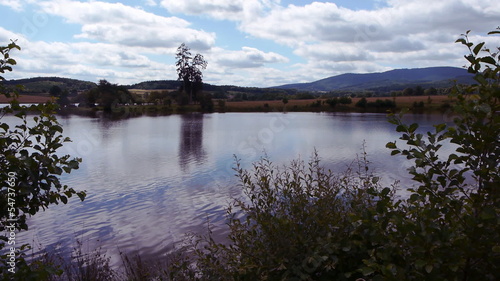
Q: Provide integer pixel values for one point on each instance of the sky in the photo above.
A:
(255, 43)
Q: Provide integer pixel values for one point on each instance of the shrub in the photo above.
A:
(295, 222)
(362, 103)
(345, 100)
(456, 206)
(332, 102)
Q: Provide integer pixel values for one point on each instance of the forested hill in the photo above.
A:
(173, 85)
(42, 85)
(156, 85)
(398, 79)
(378, 83)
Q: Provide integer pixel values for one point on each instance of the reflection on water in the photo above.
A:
(191, 140)
(152, 179)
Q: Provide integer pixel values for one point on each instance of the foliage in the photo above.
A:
(189, 70)
(291, 223)
(30, 167)
(38, 85)
(108, 95)
(316, 104)
(206, 103)
(456, 207)
(362, 103)
(332, 102)
(62, 96)
(160, 97)
(344, 100)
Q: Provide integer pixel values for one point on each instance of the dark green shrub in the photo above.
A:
(456, 206)
(206, 103)
(345, 100)
(362, 103)
(332, 102)
(298, 222)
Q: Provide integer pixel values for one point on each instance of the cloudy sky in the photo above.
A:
(246, 42)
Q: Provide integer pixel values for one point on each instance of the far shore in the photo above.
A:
(419, 104)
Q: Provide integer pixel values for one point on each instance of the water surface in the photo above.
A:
(150, 180)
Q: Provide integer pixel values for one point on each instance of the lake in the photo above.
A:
(150, 180)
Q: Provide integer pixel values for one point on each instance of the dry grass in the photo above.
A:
(305, 105)
(273, 103)
(26, 99)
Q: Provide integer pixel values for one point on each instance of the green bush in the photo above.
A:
(345, 100)
(332, 102)
(295, 222)
(362, 103)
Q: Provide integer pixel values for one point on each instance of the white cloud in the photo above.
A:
(246, 58)
(121, 43)
(220, 9)
(151, 3)
(129, 26)
(13, 4)
(84, 60)
(401, 33)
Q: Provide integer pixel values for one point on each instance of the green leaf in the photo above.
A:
(367, 271)
(440, 127)
(478, 48)
(419, 264)
(488, 60)
(391, 145)
(428, 268)
(401, 128)
(82, 195)
(394, 152)
(4, 126)
(470, 58)
(413, 127)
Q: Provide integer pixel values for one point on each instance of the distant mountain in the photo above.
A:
(397, 79)
(174, 85)
(156, 85)
(393, 80)
(42, 85)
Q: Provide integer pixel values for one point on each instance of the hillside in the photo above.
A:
(397, 79)
(156, 85)
(42, 85)
(379, 83)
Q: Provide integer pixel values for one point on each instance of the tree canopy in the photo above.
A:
(189, 70)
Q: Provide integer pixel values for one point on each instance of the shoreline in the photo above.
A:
(416, 104)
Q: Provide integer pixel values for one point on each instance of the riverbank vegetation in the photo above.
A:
(302, 222)
(417, 104)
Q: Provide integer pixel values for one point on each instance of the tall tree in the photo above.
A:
(189, 70)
